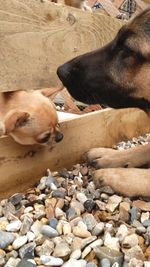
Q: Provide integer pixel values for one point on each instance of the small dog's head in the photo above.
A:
(31, 118)
(117, 75)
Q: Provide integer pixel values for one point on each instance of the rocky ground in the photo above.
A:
(65, 221)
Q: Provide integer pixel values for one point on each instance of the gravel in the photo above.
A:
(64, 221)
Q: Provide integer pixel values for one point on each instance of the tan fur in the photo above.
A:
(29, 116)
(128, 182)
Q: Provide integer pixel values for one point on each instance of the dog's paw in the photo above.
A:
(107, 158)
(128, 182)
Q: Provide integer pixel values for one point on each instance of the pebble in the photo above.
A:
(111, 242)
(26, 224)
(81, 197)
(14, 226)
(98, 229)
(75, 263)
(130, 241)
(80, 232)
(48, 231)
(76, 254)
(53, 223)
(58, 194)
(90, 221)
(105, 263)
(89, 205)
(112, 255)
(65, 221)
(51, 261)
(27, 249)
(62, 250)
(113, 203)
(134, 252)
(13, 263)
(16, 198)
(6, 239)
(19, 242)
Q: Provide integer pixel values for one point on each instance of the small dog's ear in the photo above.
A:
(15, 119)
(50, 92)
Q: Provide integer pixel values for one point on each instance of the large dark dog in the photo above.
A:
(117, 75)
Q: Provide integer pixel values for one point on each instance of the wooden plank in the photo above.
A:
(142, 4)
(36, 36)
(109, 8)
(21, 166)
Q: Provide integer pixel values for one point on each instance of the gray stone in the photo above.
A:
(71, 213)
(53, 222)
(112, 255)
(16, 198)
(105, 262)
(58, 194)
(140, 230)
(135, 214)
(25, 263)
(98, 229)
(89, 205)
(49, 181)
(6, 239)
(146, 223)
(26, 224)
(51, 261)
(91, 264)
(90, 221)
(27, 249)
(48, 231)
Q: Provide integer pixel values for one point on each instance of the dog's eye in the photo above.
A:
(44, 139)
(127, 52)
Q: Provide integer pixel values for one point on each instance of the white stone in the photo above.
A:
(36, 228)
(122, 232)
(144, 216)
(81, 197)
(96, 243)
(19, 242)
(76, 254)
(12, 262)
(14, 226)
(111, 242)
(130, 241)
(113, 203)
(66, 229)
(50, 260)
(30, 236)
(75, 263)
(86, 251)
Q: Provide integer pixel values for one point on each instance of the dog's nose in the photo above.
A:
(58, 137)
(63, 71)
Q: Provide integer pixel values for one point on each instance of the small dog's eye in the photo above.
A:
(44, 139)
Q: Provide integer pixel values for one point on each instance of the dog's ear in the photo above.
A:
(50, 92)
(15, 119)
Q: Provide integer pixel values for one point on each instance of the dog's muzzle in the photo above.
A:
(63, 72)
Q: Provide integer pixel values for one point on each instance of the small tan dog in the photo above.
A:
(29, 117)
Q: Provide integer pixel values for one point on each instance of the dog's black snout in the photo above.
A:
(58, 137)
(63, 71)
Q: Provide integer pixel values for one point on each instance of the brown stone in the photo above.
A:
(124, 208)
(147, 253)
(145, 206)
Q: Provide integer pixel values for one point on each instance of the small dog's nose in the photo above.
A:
(63, 71)
(58, 137)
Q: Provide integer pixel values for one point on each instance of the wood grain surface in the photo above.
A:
(37, 36)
